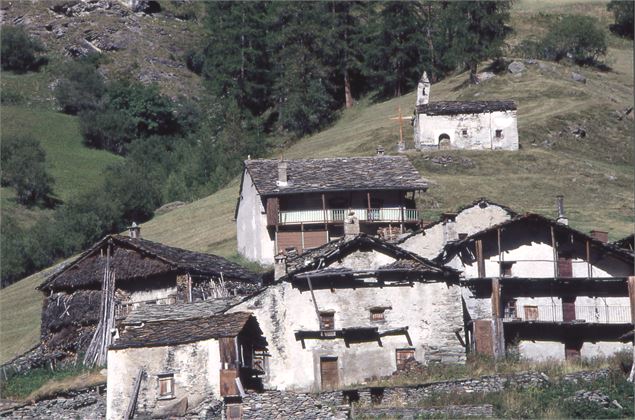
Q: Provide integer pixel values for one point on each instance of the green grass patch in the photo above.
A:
(21, 386)
(74, 167)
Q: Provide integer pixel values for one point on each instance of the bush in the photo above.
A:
(623, 14)
(580, 38)
(24, 168)
(20, 52)
(80, 88)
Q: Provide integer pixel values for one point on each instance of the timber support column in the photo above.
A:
(631, 296)
(498, 333)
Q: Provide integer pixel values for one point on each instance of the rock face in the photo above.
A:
(143, 44)
(516, 67)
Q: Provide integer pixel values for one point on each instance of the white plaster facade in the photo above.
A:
(430, 241)
(496, 130)
(195, 366)
(431, 311)
(254, 240)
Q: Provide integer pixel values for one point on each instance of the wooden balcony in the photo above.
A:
(583, 313)
(373, 215)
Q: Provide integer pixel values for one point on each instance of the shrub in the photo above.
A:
(80, 88)
(580, 38)
(623, 14)
(24, 168)
(20, 52)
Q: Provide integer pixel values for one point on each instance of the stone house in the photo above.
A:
(159, 368)
(429, 241)
(538, 287)
(354, 309)
(142, 273)
(475, 125)
(302, 204)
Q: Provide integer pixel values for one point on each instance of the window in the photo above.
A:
(506, 268)
(377, 314)
(499, 134)
(327, 321)
(510, 309)
(531, 313)
(166, 385)
(464, 132)
(403, 355)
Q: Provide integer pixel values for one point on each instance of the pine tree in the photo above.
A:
(476, 31)
(236, 63)
(394, 54)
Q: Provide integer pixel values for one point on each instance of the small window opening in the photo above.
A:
(166, 385)
(511, 311)
(403, 356)
(327, 321)
(462, 236)
(531, 313)
(506, 268)
(499, 134)
(464, 132)
(377, 314)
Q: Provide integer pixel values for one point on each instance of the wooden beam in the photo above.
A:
(368, 202)
(588, 260)
(631, 296)
(555, 253)
(500, 258)
(480, 258)
(326, 226)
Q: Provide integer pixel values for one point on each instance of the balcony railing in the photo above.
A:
(586, 313)
(386, 215)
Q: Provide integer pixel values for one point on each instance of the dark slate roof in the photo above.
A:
(627, 243)
(162, 258)
(336, 174)
(151, 313)
(465, 107)
(319, 258)
(452, 248)
(172, 332)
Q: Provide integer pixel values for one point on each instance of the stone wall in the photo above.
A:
(89, 404)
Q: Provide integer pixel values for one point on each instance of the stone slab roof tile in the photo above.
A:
(336, 174)
(465, 107)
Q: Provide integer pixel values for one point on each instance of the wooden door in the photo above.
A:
(483, 336)
(531, 313)
(329, 373)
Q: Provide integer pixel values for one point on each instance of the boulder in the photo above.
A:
(516, 67)
(483, 76)
(177, 409)
(578, 77)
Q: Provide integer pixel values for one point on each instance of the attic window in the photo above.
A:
(464, 132)
(327, 320)
(166, 386)
(499, 134)
(506, 268)
(377, 314)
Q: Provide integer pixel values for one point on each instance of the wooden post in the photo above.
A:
(588, 261)
(480, 258)
(368, 218)
(500, 259)
(326, 227)
(302, 236)
(401, 199)
(631, 296)
(498, 336)
(555, 253)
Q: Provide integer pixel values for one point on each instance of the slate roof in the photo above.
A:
(452, 248)
(336, 174)
(172, 332)
(464, 107)
(162, 258)
(318, 258)
(151, 313)
(627, 243)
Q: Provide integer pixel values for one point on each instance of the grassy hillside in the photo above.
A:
(595, 173)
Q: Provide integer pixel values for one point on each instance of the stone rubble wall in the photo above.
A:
(84, 405)
(450, 411)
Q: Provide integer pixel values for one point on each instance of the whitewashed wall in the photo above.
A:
(431, 311)
(481, 129)
(254, 242)
(196, 369)
(430, 242)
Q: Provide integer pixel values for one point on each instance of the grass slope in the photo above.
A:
(594, 173)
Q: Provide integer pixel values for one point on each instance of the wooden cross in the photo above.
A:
(401, 145)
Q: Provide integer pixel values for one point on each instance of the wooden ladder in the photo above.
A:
(132, 405)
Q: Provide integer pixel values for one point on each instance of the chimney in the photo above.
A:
(134, 230)
(449, 227)
(351, 226)
(380, 150)
(282, 174)
(600, 235)
(280, 266)
(562, 219)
